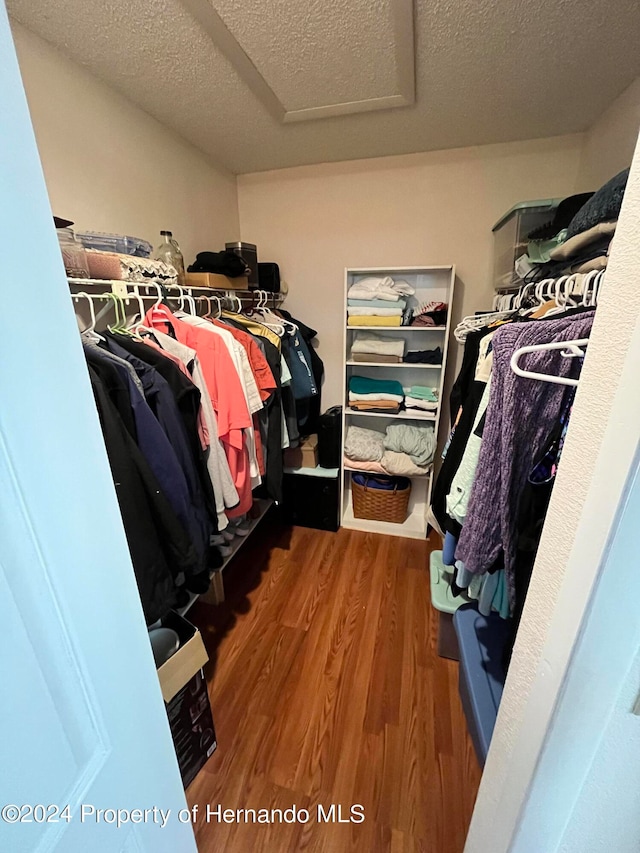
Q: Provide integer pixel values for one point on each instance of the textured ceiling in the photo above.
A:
(485, 70)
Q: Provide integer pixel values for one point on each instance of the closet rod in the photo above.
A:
(117, 286)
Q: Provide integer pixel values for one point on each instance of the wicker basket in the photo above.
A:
(379, 504)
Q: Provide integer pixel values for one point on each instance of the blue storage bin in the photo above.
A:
(481, 642)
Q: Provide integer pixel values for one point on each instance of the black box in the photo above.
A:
(311, 501)
(192, 729)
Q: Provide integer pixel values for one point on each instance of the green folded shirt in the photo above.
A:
(420, 392)
(365, 385)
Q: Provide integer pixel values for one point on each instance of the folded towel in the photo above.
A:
(425, 356)
(376, 303)
(362, 465)
(382, 407)
(415, 403)
(376, 395)
(365, 320)
(421, 392)
(366, 385)
(371, 343)
(364, 444)
(401, 464)
(375, 312)
(375, 357)
(418, 442)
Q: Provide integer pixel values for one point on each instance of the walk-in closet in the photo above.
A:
(319, 427)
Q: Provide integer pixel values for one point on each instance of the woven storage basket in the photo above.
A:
(379, 504)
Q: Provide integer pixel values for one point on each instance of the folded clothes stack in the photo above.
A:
(425, 356)
(370, 347)
(402, 450)
(375, 395)
(419, 397)
(377, 301)
(430, 314)
(577, 240)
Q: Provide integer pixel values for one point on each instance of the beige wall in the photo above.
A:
(111, 167)
(609, 144)
(434, 208)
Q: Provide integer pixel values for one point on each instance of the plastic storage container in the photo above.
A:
(115, 243)
(74, 255)
(481, 677)
(446, 603)
(510, 235)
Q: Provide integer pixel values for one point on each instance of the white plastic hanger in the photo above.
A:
(570, 349)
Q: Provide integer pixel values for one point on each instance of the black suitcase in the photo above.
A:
(330, 438)
(269, 277)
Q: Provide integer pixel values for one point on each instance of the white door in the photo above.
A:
(82, 719)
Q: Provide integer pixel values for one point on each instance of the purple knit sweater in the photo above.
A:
(520, 416)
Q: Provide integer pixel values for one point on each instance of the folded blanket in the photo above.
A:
(574, 246)
(425, 356)
(372, 343)
(382, 407)
(415, 403)
(364, 444)
(362, 465)
(376, 395)
(374, 287)
(375, 358)
(366, 385)
(401, 464)
(418, 442)
(375, 312)
(365, 320)
(421, 392)
(376, 303)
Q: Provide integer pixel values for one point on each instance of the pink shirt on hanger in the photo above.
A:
(225, 389)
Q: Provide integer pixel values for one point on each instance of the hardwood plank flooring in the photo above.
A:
(326, 687)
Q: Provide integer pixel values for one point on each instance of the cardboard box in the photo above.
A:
(215, 281)
(184, 690)
(304, 456)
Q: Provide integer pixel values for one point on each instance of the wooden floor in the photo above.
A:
(326, 688)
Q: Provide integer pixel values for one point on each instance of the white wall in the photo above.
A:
(610, 142)
(434, 208)
(109, 166)
(601, 446)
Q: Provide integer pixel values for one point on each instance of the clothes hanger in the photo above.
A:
(92, 311)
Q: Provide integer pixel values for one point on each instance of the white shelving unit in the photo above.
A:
(436, 284)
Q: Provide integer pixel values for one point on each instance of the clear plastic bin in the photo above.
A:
(115, 243)
(510, 235)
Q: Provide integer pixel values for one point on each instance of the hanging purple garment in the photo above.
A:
(520, 416)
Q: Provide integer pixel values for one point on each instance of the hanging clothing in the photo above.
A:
(226, 495)
(520, 415)
(225, 390)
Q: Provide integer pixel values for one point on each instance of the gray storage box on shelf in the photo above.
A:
(510, 235)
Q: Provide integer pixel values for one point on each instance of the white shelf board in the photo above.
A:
(236, 545)
(413, 528)
(401, 416)
(392, 364)
(400, 328)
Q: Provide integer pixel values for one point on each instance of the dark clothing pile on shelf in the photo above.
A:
(491, 494)
(195, 415)
(426, 356)
(222, 263)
